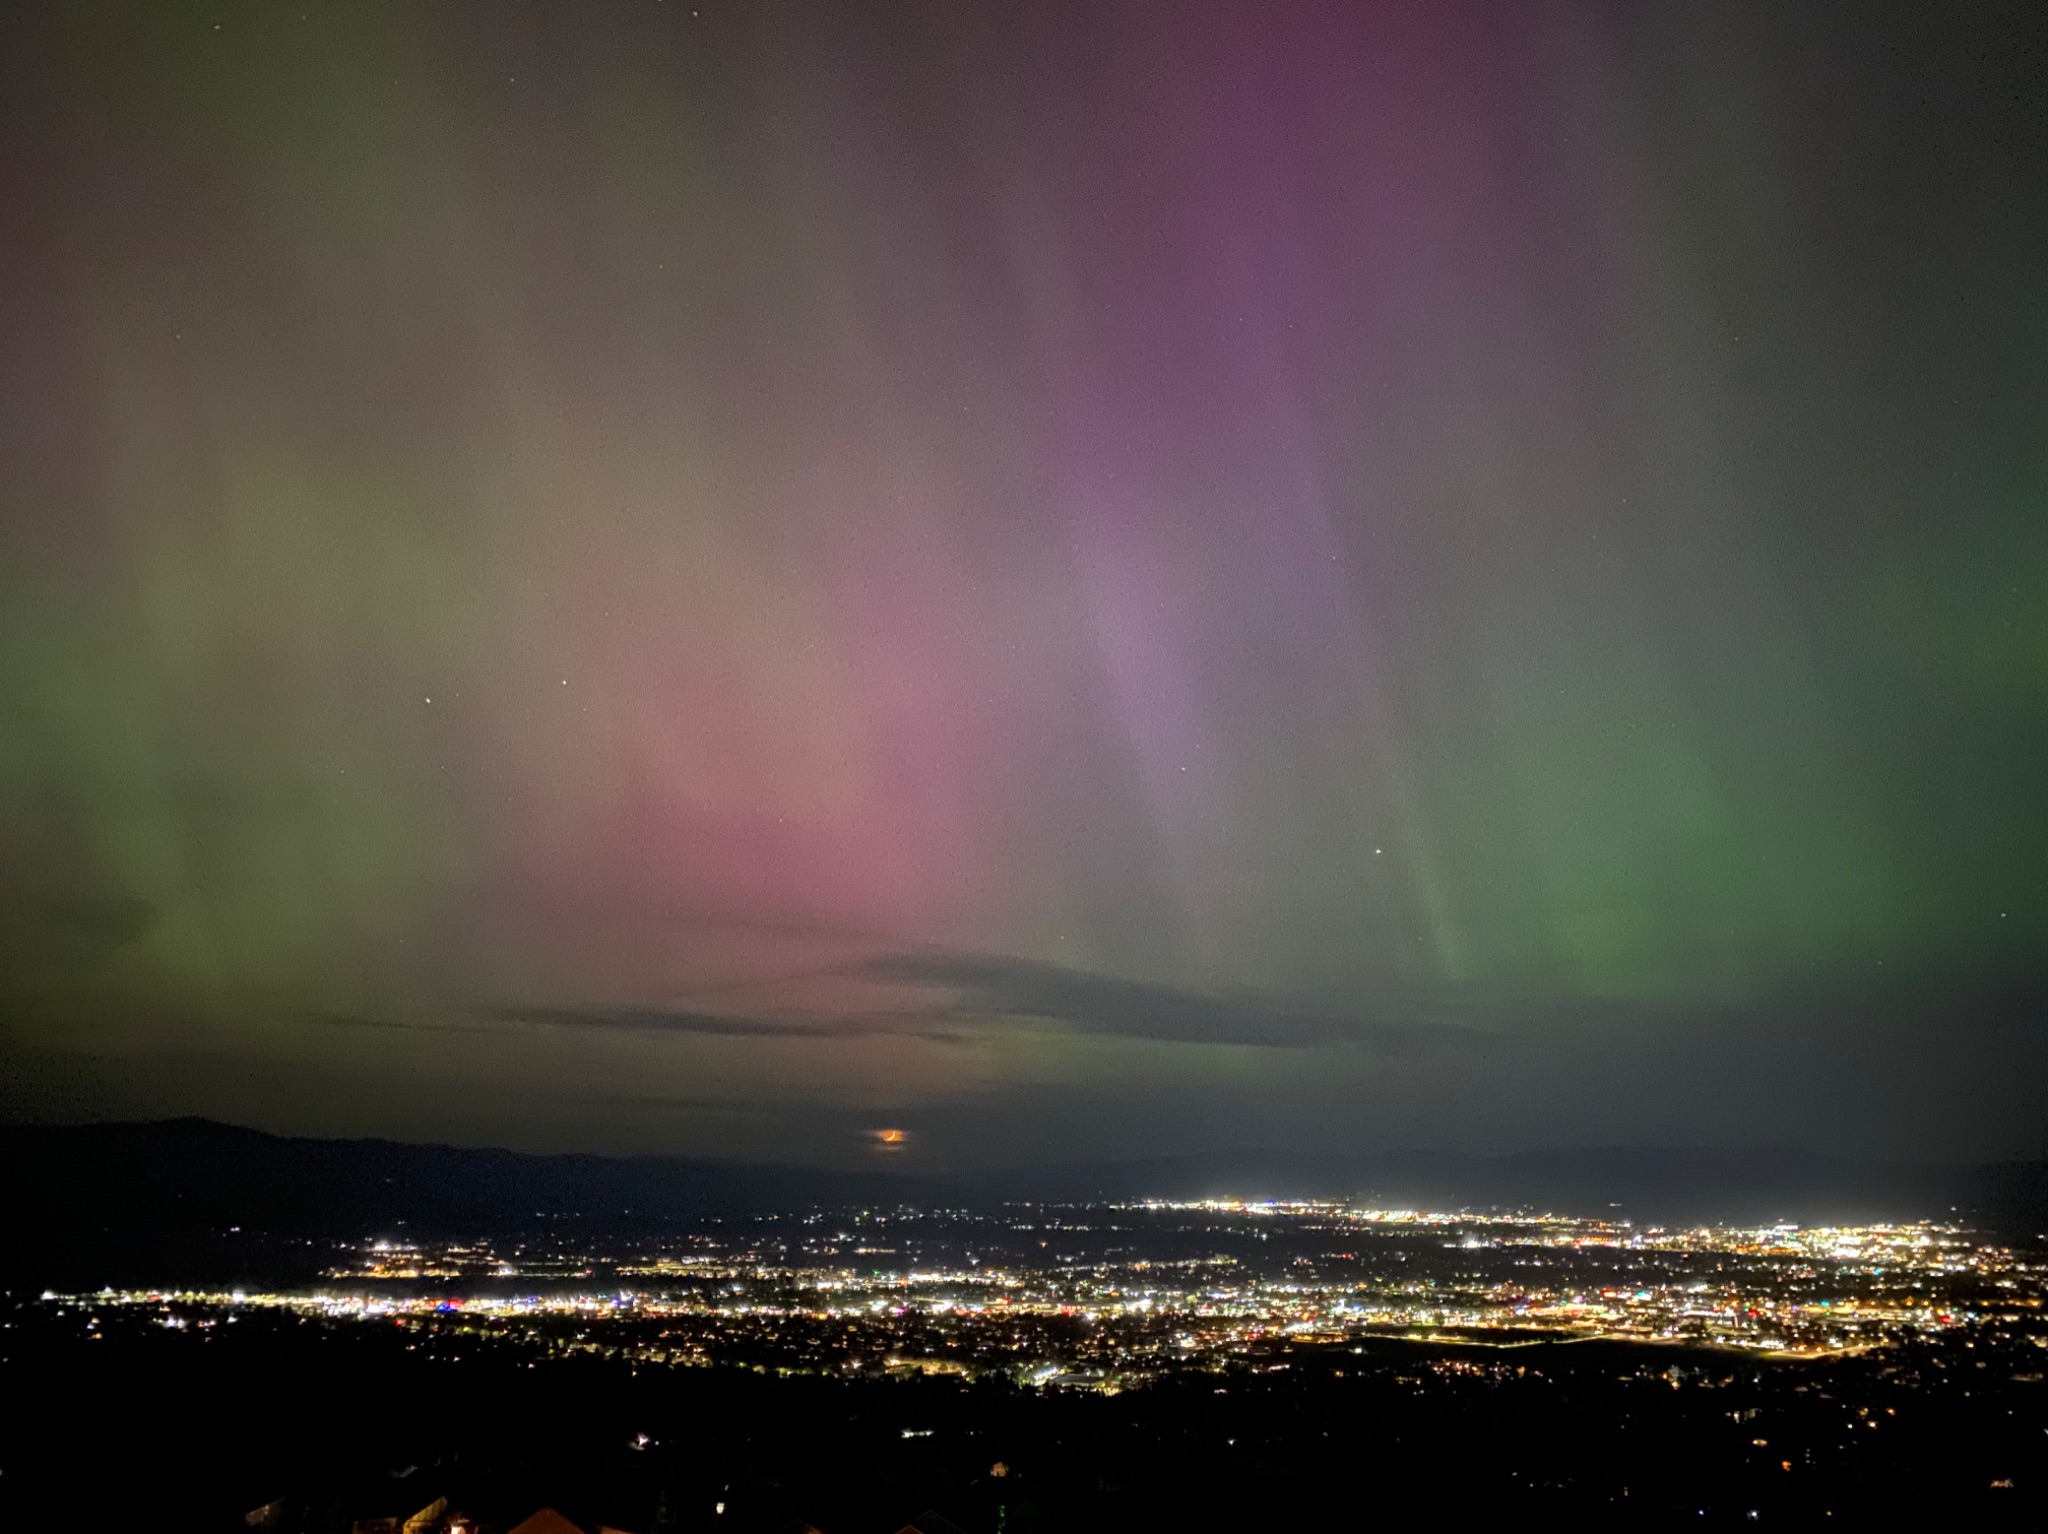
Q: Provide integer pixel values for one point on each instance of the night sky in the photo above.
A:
(1074, 580)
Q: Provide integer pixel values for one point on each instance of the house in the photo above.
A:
(929, 1522)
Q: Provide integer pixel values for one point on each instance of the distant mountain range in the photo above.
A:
(190, 1199)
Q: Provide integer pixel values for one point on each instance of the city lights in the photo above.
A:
(1107, 1297)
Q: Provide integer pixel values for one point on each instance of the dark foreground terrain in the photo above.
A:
(115, 1421)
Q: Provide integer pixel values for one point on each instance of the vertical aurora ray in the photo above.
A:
(1058, 556)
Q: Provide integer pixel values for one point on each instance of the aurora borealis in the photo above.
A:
(1074, 578)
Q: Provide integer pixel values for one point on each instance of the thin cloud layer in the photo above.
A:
(996, 986)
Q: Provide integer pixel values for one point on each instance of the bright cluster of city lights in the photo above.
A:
(1106, 1296)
